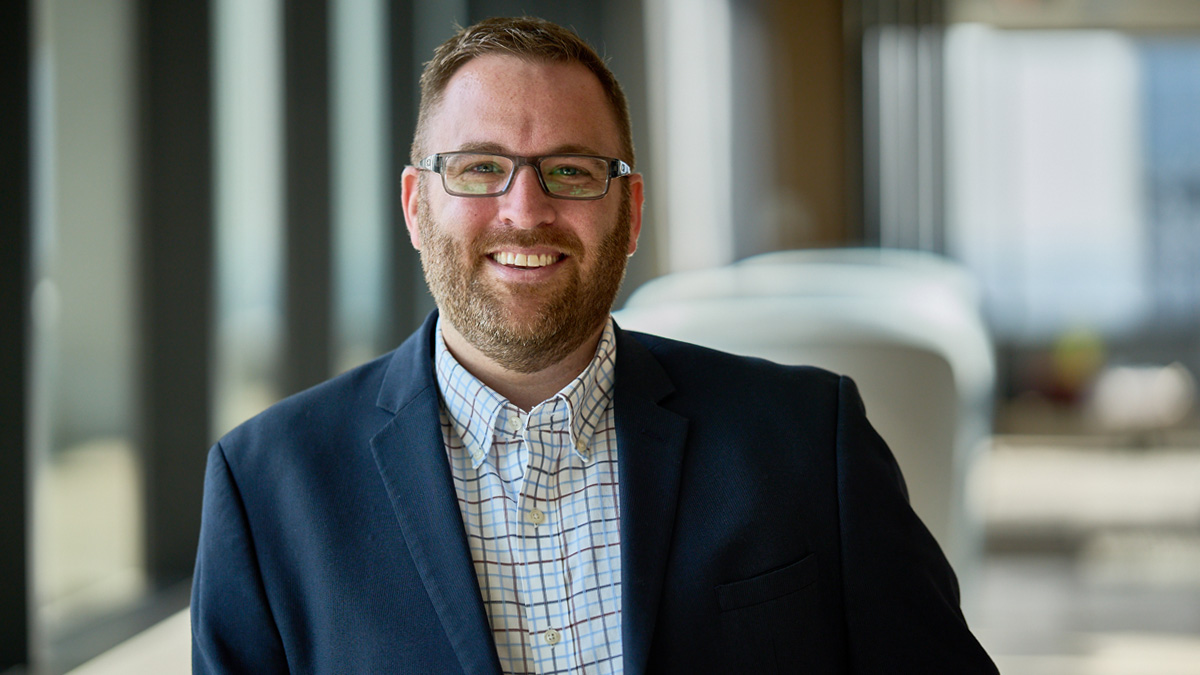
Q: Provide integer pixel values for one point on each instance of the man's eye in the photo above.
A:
(572, 172)
(483, 169)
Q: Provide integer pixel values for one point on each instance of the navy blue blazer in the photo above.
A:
(765, 528)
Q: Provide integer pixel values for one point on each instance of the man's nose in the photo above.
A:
(526, 204)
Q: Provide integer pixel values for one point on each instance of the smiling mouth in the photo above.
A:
(525, 261)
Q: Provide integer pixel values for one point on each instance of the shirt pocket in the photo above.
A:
(768, 621)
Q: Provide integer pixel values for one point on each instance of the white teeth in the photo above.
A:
(523, 260)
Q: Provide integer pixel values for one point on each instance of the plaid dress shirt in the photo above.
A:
(539, 499)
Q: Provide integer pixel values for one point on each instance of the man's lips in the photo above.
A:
(525, 260)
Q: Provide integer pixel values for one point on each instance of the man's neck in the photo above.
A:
(523, 390)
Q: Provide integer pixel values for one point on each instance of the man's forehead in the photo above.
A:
(525, 96)
(485, 146)
(496, 73)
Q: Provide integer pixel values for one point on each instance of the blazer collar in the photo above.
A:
(650, 441)
(408, 452)
(410, 371)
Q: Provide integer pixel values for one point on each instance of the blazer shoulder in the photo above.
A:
(690, 363)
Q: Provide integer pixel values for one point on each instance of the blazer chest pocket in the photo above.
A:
(769, 622)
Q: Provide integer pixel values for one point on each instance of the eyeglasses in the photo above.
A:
(474, 174)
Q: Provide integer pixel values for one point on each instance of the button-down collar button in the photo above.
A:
(552, 637)
(536, 516)
(581, 446)
(514, 422)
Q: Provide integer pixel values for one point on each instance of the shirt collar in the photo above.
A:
(473, 407)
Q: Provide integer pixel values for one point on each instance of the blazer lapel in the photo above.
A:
(650, 441)
(411, 458)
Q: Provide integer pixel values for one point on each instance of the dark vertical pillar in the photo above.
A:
(176, 276)
(854, 125)
(309, 255)
(14, 330)
(933, 21)
(902, 142)
(408, 50)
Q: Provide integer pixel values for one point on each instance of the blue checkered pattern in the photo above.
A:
(539, 498)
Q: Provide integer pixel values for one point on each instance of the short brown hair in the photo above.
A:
(525, 37)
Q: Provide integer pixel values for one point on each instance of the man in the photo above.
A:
(522, 487)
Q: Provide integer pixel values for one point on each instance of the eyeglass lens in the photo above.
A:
(562, 175)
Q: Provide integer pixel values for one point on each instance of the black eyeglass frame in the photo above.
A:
(437, 163)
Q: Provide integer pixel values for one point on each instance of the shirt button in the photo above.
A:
(581, 446)
(536, 516)
(514, 423)
(552, 637)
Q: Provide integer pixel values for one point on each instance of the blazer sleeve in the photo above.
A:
(901, 596)
(232, 627)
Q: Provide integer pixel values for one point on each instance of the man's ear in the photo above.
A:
(636, 198)
(410, 183)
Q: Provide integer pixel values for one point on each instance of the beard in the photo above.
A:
(552, 320)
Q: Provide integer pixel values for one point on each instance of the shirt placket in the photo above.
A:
(544, 583)
(502, 472)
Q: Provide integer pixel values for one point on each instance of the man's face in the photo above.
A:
(523, 277)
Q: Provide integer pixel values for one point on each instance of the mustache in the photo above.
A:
(551, 237)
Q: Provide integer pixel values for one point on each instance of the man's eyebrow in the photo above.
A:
(491, 148)
(573, 149)
(497, 149)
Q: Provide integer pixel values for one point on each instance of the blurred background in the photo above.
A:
(199, 216)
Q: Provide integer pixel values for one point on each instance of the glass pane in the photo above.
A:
(1170, 70)
(249, 186)
(87, 547)
(1045, 173)
(361, 177)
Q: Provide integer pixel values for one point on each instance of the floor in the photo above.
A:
(1093, 563)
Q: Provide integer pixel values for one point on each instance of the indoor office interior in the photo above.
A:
(986, 211)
